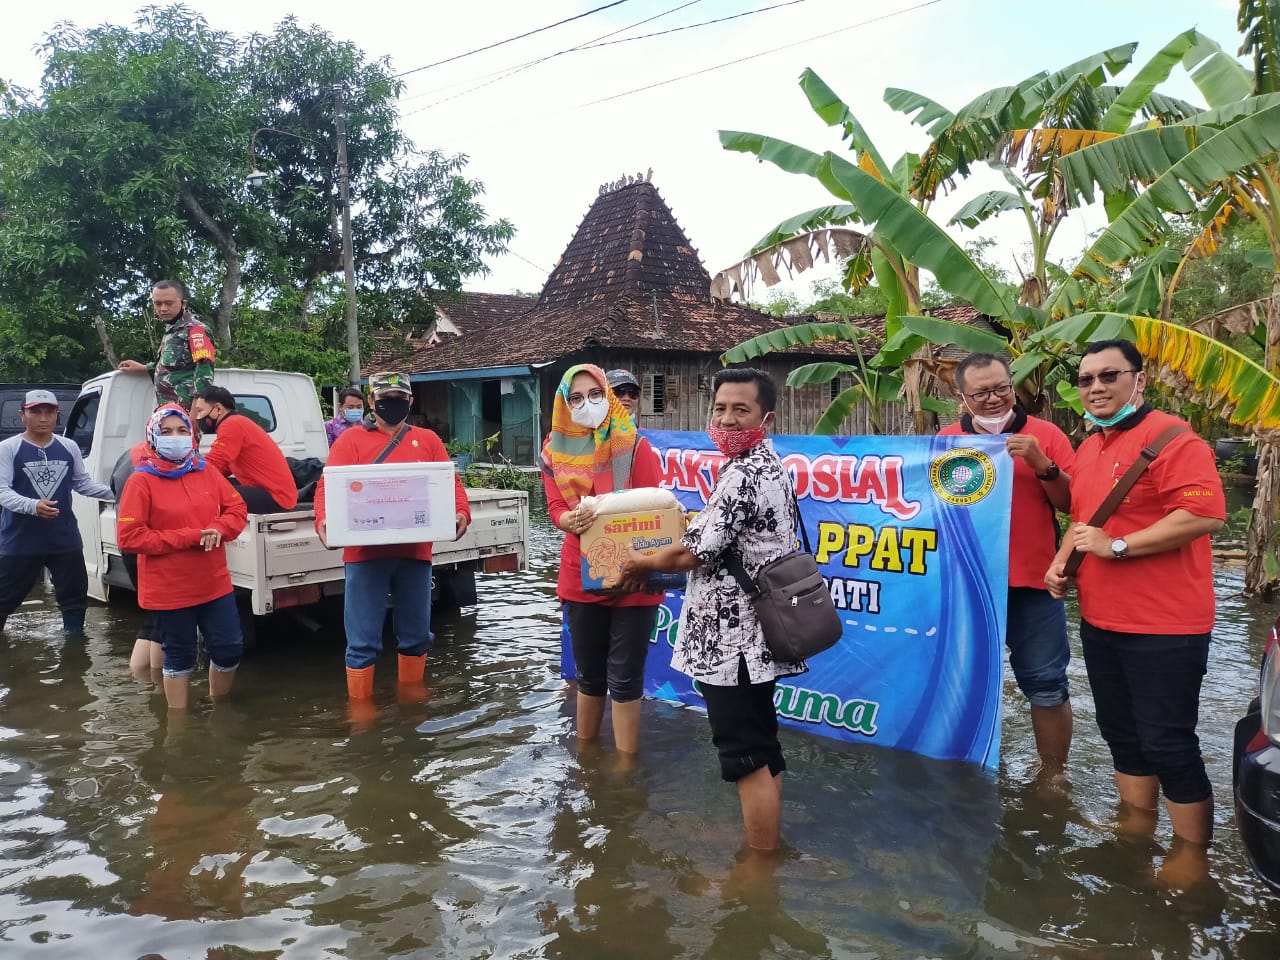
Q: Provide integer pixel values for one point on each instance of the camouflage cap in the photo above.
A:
(388, 382)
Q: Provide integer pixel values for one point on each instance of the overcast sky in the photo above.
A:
(542, 144)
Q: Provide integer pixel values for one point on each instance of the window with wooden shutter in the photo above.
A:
(653, 402)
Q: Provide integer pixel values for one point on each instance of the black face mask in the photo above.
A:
(208, 425)
(392, 410)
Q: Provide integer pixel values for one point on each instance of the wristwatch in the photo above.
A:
(1050, 472)
(1119, 548)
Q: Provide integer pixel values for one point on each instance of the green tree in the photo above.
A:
(129, 164)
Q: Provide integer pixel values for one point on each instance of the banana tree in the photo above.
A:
(894, 202)
(1214, 165)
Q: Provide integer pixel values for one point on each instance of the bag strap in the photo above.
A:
(1122, 488)
(733, 559)
(395, 442)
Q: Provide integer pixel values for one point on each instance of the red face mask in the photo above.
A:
(733, 442)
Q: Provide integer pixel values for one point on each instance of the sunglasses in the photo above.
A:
(1106, 376)
(632, 392)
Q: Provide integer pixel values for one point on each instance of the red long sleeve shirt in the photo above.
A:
(359, 445)
(245, 450)
(160, 519)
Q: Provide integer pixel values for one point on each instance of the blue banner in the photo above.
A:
(912, 535)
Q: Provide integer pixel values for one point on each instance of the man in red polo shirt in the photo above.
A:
(1146, 591)
(399, 570)
(1036, 624)
(244, 453)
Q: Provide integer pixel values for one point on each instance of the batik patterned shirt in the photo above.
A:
(752, 511)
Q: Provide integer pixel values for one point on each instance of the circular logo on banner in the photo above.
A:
(962, 476)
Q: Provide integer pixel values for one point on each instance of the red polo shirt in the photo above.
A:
(1168, 592)
(1033, 525)
(359, 445)
(245, 450)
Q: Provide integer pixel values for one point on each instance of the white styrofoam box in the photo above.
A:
(389, 503)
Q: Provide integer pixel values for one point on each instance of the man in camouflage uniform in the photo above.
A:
(185, 364)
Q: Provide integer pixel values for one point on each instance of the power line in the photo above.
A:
(689, 26)
(762, 53)
(494, 76)
(530, 33)
(596, 44)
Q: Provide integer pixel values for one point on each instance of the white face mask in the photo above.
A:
(591, 414)
(993, 424)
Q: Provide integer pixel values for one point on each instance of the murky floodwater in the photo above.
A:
(468, 826)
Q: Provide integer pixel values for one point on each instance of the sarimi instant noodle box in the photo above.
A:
(607, 541)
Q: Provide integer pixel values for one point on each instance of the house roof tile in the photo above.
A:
(630, 280)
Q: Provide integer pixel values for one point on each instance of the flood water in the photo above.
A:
(469, 826)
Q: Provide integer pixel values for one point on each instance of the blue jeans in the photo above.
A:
(1036, 635)
(218, 621)
(369, 584)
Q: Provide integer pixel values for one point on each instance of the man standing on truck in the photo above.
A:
(244, 453)
(184, 366)
(400, 570)
(38, 531)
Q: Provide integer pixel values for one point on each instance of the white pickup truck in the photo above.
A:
(278, 561)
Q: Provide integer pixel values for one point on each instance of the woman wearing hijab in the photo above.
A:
(593, 448)
(175, 515)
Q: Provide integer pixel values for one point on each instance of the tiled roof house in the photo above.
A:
(629, 291)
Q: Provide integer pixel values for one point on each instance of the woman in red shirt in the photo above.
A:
(175, 515)
(593, 448)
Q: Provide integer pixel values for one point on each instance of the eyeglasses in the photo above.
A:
(1106, 376)
(1001, 391)
(632, 392)
(576, 400)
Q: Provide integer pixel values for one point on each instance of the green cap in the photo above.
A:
(387, 382)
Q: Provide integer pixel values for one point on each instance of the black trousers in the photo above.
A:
(18, 574)
(256, 499)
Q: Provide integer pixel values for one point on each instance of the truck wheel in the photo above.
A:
(453, 588)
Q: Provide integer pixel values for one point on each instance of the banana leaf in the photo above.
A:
(1027, 364)
(986, 205)
(1259, 22)
(1112, 164)
(785, 156)
(949, 333)
(1220, 117)
(919, 239)
(928, 113)
(835, 112)
(1210, 372)
(1138, 90)
(1143, 292)
(798, 335)
(815, 219)
(1216, 74)
(980, 125)
(895, 351)
(1070, 395)
(1084, 328)
(823, 372)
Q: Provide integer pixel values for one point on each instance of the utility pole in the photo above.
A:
(348, 255)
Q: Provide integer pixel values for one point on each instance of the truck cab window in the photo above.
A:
(83, 418)
(258, 409)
